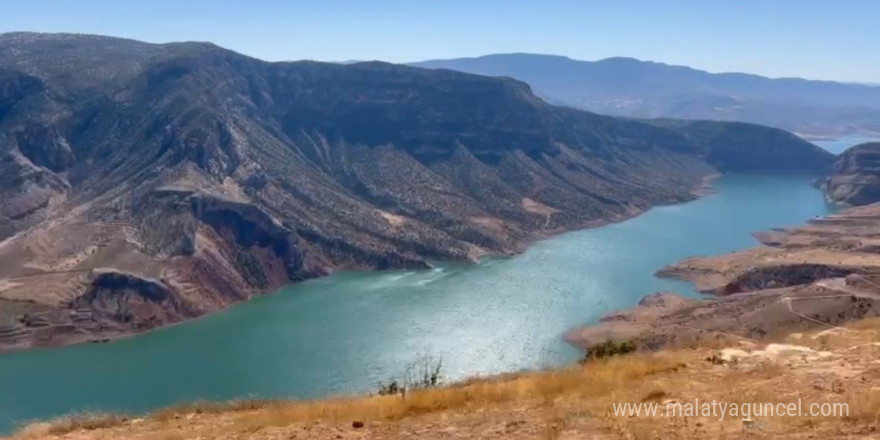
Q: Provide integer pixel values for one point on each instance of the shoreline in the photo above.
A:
(705, 187)
(818, 274)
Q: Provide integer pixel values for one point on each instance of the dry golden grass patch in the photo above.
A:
(72, 422)
(592, 380)
(850, 376)
(872, 323)
(560, 403)
(207, 407)
(595, 379)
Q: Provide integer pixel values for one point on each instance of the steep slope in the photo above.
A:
(633, 88)
(856, 176)
(730, 147)
(145, 184)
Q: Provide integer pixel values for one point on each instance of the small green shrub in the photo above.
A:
(610, 348)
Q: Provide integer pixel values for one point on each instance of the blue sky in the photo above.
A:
(828, 39)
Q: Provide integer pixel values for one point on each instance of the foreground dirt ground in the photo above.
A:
(835, 365)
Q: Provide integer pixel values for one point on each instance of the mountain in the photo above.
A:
(641, 89)
(856, 176)
(145, 184)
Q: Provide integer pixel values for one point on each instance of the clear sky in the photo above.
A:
(817, 39)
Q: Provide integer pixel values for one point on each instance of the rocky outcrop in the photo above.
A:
(785, 275)
(856, 176)
(126, 299)
(169, 223)
(221, 176)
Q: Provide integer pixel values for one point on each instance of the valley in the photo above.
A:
(442, 220)
(181, 181)
(166, 182)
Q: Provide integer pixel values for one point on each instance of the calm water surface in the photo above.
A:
(838, 146)
(344, 333)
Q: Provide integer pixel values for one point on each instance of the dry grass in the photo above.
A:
(560, 403)
(596, 379)
(205, 407)
(592, 380)
(872, 323)
(72, 422)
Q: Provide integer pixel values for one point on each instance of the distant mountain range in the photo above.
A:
(641, 89)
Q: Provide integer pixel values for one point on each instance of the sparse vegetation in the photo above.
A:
(73, 422)
(610, 348)
(422, 374)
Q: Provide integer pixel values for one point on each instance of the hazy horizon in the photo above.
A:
(786, 38)
(870, 84)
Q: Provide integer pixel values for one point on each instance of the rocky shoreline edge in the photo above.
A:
(820, 275)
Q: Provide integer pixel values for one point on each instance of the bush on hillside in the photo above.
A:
(610, 348)
(421, 374)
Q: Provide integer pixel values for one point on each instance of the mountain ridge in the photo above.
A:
(645, 89)
(636, 60)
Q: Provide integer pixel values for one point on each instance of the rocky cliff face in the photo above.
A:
(856, 176)
(144, 184)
